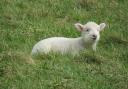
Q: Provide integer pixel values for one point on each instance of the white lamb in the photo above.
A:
(90, 34)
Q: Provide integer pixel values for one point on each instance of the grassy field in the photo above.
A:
(25, 22)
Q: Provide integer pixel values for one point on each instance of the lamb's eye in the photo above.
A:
(87, 30)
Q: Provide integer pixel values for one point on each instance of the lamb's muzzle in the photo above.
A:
(90, 35)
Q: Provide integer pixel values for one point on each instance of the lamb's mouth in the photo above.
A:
(93, 38)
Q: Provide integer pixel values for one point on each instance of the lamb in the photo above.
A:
(90, 35)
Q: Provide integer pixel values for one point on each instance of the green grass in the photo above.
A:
(25, 22)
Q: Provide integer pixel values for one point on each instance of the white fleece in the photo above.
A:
(71, 45)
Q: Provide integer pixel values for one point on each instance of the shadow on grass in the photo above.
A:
(90, 58)
(84, 57)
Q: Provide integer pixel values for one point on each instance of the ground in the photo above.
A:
(25, 22)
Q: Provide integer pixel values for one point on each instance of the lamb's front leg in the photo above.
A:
(94, 46)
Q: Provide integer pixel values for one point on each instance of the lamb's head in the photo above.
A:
(91, 31)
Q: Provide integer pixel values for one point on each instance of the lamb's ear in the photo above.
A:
(79, 26)
(102, 26)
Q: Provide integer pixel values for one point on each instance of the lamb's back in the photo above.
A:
(54, 43)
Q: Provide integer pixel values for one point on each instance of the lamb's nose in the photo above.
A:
(94, 37)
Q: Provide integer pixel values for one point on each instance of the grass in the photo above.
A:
(25, 22)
